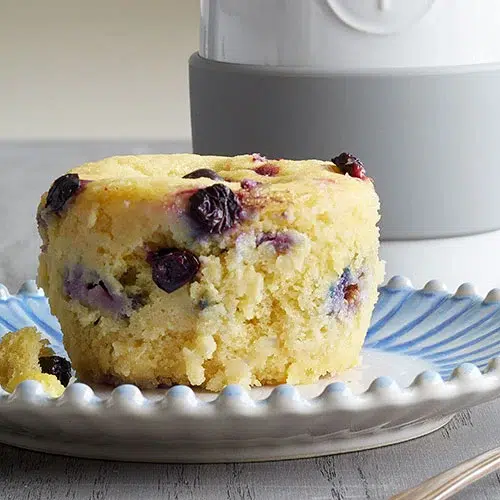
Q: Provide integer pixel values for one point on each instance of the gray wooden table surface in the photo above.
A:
(26, 170)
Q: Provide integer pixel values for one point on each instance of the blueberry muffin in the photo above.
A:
(204, 270)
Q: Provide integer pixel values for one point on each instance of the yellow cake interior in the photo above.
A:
(254, 314)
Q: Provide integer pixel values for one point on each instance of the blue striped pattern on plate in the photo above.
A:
(447, 330)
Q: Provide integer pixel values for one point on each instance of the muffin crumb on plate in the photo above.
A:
(21, 353)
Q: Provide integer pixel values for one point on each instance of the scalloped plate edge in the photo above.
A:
(428, 385)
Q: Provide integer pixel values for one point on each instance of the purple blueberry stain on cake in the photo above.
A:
(86, 286)
(281, 241)
(344, 294)
(350, 165)
(214, 209)
(173, 268)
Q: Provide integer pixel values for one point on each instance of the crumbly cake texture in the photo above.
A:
(19, 361)
(249, 271)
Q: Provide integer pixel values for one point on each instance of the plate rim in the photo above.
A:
(429, 384)
(287, 424)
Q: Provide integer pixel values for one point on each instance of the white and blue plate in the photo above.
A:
(427, 355)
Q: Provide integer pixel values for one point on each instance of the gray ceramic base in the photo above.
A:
(429, 137)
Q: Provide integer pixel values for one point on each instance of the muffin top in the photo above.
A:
(215, 191)
(183, 169)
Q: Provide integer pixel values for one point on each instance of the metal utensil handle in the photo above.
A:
(448, 483)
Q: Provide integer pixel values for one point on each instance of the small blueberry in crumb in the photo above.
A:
(350, 165)
(343, 293)
(215, 208)
(268, 170)
(173, 268)
(204, 172)
(55, 365)
(61, 191)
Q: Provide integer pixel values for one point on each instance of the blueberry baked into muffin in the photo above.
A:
(204, 270)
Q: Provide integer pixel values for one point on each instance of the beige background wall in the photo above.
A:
(96, 68)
